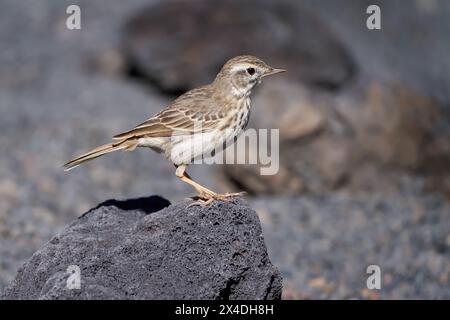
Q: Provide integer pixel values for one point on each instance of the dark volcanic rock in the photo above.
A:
(130, 250)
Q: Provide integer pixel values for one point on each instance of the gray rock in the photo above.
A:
(148, 249)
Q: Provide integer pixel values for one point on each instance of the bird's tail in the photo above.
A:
(100, 151)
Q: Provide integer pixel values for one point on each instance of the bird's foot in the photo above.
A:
(204, 199)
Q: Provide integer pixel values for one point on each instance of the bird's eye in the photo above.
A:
(251, 71)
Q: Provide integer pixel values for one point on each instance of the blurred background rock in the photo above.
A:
(364, 119)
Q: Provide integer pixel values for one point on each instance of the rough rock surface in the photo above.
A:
(148, 249)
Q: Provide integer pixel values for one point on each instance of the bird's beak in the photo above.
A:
(273, 71)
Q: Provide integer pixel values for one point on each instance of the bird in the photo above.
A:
(195, 123)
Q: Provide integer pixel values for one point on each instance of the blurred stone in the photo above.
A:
(393, 123)
(352, 141)
(313, 153)
(411, 48)
(290, 108)
(182, 44)
(109, 62)
(148, 249)
(396, 130)
(249, 178)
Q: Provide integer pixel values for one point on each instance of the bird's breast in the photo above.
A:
(242, 115)
(235, 122)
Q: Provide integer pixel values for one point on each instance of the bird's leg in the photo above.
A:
(204, 194)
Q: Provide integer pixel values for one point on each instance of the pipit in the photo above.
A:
(196, 122)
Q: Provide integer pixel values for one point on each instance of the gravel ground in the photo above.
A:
(323, 245)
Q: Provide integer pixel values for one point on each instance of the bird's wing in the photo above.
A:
(185, 116)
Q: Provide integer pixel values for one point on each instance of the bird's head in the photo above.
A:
(242, 73)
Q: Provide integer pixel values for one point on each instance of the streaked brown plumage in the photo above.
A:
(207, 117)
